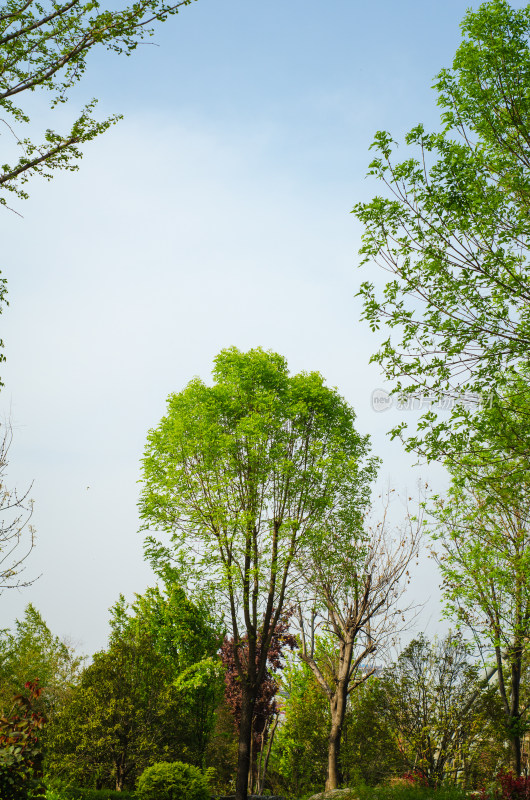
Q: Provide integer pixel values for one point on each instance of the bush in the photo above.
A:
(509, 787)
(172, 781)
(20, 751)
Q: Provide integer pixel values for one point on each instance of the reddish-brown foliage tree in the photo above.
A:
(20, 752)
(266, 708)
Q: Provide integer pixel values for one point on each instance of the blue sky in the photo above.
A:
(215, 214)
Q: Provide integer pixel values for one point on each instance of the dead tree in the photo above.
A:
(352, 610)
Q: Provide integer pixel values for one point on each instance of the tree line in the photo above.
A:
(273, 567)
(141, 701)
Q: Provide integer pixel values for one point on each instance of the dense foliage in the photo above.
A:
(31, 652)
(142, 698)
(151, 695)
(21, 754)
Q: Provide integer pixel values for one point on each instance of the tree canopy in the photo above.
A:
(454, 232)
(246, 476)
(150, 696)
(31, 652)
(45, 46)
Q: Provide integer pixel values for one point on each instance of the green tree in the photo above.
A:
(185, 635)
(221, 751)
(246, 476)
(454, 232)
(428, 692)
(120, 718)
(484, 555)
(46, 46)
(369, 751)
(32, 653)
(144, 699)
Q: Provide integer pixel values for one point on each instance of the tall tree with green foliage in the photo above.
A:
(246, 476)
(454, 230)
(483, 548)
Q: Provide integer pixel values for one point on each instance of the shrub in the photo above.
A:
(20, 752)
(172, 781)
(510, 787)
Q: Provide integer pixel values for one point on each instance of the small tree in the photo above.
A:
(483, 551)
(20, 747)
(356, 586)
(300, 753)
(369, 749)
(246, 476)
(440, 733)
(266, 709)
(31, 651)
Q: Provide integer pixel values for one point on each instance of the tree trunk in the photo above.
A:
(120, 772)
(515, 751)
(245, 735)
(262, 774)
(515, 720)
(333, 778)
(252, 768)
(338, 710)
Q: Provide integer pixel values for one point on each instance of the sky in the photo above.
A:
(216, 213)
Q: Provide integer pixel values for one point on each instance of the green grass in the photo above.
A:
(71, 793)
(412, 792)
(362, 792)
(400, 792)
